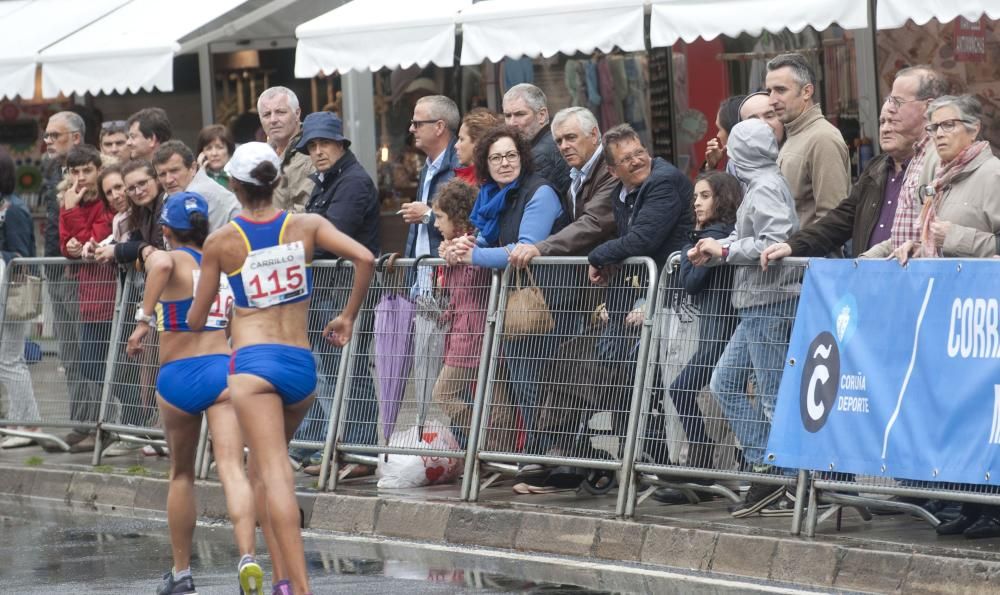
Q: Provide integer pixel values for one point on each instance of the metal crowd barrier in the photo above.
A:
(566, 393)
(412, 383)
(54, 330)
(712, 380)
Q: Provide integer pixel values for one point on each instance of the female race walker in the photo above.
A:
(267, 254)
(193, 371)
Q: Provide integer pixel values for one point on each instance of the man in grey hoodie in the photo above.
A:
(764, 300)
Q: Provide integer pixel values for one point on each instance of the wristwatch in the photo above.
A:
(426, 218)
(141, 317)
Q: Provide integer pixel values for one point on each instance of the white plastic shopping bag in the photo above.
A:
(413, 471)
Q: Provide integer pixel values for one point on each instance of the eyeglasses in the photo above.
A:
(54, 136)
(497, 158)
(419, 123)
(135, 188)
(637, 155)
(897, 102)
(946, 126)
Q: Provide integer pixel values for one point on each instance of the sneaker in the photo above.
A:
(16, 442)
(783, 506)
(121, 449)
(86, 445)
(251, 576)
(282, 587)
(757, 497)
(169, 586)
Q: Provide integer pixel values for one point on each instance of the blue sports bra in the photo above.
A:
(171, 315)
(274, 273)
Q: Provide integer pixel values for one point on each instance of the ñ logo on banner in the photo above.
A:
(819, 381)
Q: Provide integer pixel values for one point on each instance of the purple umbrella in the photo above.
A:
(393, 355)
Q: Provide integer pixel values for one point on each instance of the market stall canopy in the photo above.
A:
(374, 34)
(892, 14)
(687, 20)
(32, 25)
(495, 29)
(131, 48)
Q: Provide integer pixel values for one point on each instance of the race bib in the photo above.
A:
(275, 275)
(218, 315)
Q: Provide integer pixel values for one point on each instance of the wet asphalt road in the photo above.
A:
(41, 553)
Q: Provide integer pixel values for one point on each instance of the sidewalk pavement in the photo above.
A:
(890, 554)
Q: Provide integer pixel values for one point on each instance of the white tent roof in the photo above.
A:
(372, 34)
(31, 25)
(130, 49)
(673, 20)
(494, 29)
(892, 14)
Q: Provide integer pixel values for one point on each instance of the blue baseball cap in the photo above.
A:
(321, 125)
(177, 210)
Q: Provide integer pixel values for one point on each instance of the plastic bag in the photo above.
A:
(414, 471)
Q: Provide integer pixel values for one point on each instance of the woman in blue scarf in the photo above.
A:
(514, 206)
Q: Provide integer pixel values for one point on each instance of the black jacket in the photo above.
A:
(549, 164)
(710, 287)
(443, 175)
(853, 219)
(653, 221)
(346, 196)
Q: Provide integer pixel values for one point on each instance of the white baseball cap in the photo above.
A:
(248, 156)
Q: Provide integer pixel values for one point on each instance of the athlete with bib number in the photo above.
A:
(194, 367)
(267, 255)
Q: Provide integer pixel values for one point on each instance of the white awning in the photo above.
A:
(494, 29)
(31, 25)
(374, 34)
(687, 20)
(892, 14)
(130, 49)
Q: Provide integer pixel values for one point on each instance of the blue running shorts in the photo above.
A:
(193, 384)
(290, 370)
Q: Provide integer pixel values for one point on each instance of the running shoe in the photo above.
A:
(282, 587)
(169, 586)
(251, 576)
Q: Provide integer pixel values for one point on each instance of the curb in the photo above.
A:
(786, 559)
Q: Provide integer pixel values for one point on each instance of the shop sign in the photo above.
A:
(970, 41)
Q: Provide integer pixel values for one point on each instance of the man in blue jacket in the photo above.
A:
(346, 196)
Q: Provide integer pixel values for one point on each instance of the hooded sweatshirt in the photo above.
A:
(766, 216)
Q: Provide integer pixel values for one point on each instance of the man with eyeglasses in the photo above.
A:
(525, 108)
(280, 117)
(148, 128)
(114, 135)
(866, 216)
(814, 157)
(434, 124)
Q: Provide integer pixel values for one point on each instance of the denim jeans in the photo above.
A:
(758, 346)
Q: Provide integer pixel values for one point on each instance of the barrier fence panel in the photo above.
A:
(415, 357)
(719, 345)
(57, 320)
(566, 362)
(129, 411)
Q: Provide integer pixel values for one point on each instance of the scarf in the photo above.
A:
(486, 212)
(945, 174)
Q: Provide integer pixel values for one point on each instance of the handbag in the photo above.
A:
(24, 298)
(526, 313)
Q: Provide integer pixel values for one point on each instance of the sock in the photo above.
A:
(244, 560)
(178, 575)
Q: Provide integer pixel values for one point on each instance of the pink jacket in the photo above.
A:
(468, 291)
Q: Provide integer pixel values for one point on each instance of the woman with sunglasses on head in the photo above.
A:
(267, 255)
(192, 379)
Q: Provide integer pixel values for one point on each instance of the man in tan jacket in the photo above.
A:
(814, 158)
(578, 138)
(280, 117)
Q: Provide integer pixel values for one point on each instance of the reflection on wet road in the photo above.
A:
(90, 554)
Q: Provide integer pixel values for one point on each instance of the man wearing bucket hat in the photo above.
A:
(346, 196)
(344, 193)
